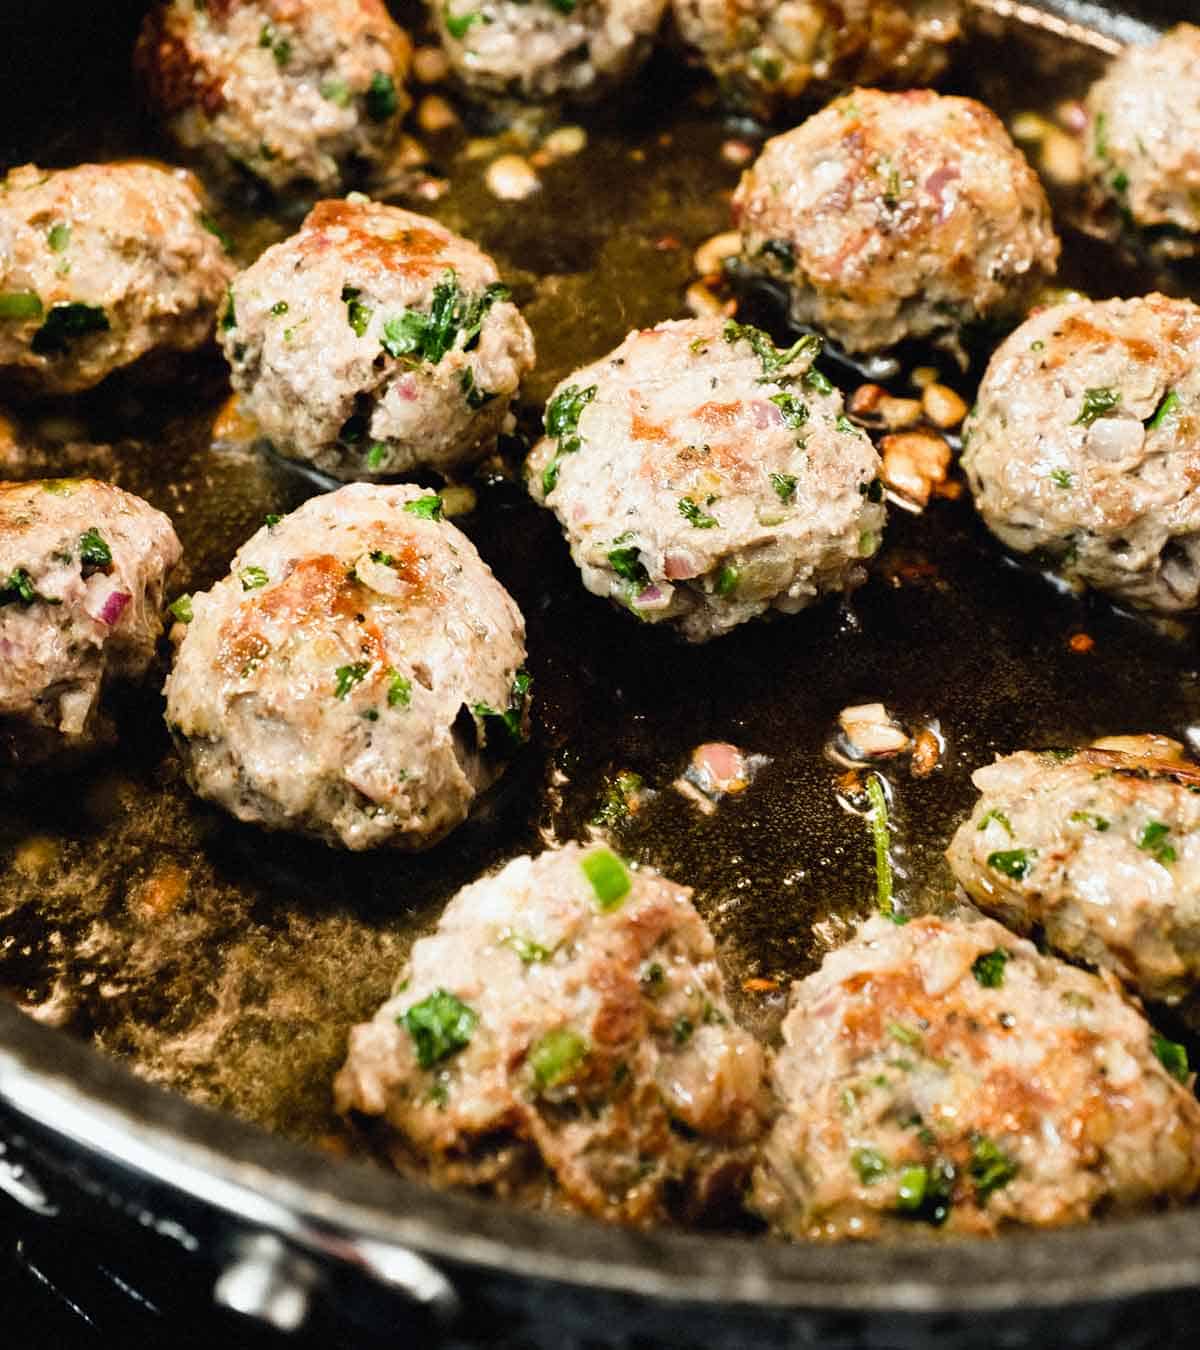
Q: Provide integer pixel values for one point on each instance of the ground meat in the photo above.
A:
(942, 1071)
(356, 677)
(546, 49)
(82, 569)
(703, 477)
(766, 54)
(374, 342)
(299, 93)
(1084, 447)
(888, 216)
(564, 1037)
(1143, 141)
(99, 265)
(1098, 850)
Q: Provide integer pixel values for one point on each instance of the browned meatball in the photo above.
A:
(1084, 447)
(1143, 142)
(82, 570)
(766, 53)
(890, 216)
(1094, 849)
(942, 1072)
(302, 93)
(375, 341)
(564, 1036)
(99, 265)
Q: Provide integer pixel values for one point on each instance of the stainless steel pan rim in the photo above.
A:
(354, 1213)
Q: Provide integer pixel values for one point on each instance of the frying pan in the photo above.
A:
(178, 987)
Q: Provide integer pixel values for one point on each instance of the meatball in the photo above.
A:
(1097, 849)
(766, 54)
(564, 1037)
(1143, 141)
(702, 477)
(356, 677)
(547, 49)
(99, 265)
(300, 93)
(82, 569)
(890, 216)
(943, 1071)
(374, 342)
(1084, 447)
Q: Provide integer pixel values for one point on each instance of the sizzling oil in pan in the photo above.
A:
(229, 964)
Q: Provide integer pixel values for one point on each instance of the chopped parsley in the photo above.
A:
(626, 563)
(784, 485)
(348, 676)
(65, 323)
(428, 507)
(440, 1025)
(208, 223)
(991, 1168)
(358, 315)
(475, 398)
(870, 1165)
(512, 719)
(562, 422)
(229, 316)
(1096, 402)
(271, 520)
(1166, 409)
(19, 589)
(253, 578)
(609, 878)
(771, 358)
(399, 694)
(844, 425)
(1171, 1055)
(999, 817)
(428, 337)
(816, 381)
(872, 491)
(988, 968)
(1016, 863)
(1153, 840)
(681, 1030)
(382, 101)
(280, 47)
(181, 608)
(557, 1057)
(94, 552)
(695, 515)
(459, 25)
(376, 454)
(794, 410)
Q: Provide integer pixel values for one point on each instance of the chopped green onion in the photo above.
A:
(348, 676)
(991, 1168)
(870, 1165)
(20, 305)
(382, 102)
(727, 580)
(1152, 840)
(459, 25)
(336, 92)
(1016, 863)
(66, 322)
(881, 834)
(794, 410)
(999, 817)
(1171, 1055)
(784, 485)
(1096, 402)
(181, 608)
(93, 550)
(1166, 409)
(399, 694)
(695, 515)
(253, 578)
(428, 507)
(530, 952)
(59, 237)
(988, 968)
(557, 1057)
(609, 877)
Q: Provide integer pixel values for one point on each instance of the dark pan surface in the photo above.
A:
(229, 964)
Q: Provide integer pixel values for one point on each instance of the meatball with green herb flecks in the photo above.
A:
(941, 1074)
(546, 49)
(100, 265)
(82, 570)
(703, 477)
(563, 1038)
(1097, 849)
(1143, 140)
(375, 342)
(766, 54)
(302, 94)
(357, 677)
(893, 216)
(1083, 448)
